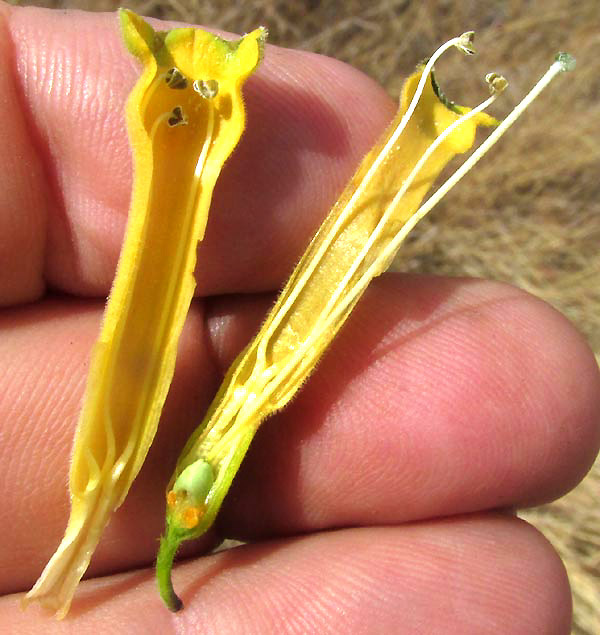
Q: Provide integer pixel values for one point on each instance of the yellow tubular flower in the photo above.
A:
(184, 116)
(356, 242)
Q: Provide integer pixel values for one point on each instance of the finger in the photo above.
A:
(439, 397)
(310, 119)
(467, 575)
(23, 202)
(44, 350)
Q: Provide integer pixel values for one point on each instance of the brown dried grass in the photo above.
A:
(529, 215)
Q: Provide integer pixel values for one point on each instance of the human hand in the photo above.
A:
(441, 400)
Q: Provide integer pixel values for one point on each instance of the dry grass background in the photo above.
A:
(530, 215)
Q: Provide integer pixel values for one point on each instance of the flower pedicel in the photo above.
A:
(356, 242)
(184, 117)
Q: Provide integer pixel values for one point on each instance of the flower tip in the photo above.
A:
(263, 33)
(261, 39)
(138, 35)
(465, 42)
(497, 83)
(566, 61)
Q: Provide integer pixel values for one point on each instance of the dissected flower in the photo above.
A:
(355, 243)
(184, 116)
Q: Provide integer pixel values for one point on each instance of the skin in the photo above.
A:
(380, 498)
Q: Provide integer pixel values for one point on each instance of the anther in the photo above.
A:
(191, 517)
(177, 118)
(176, 79)
(497, 83)
(171, 499)
(566, 61)
(207, 88)
(465, 43)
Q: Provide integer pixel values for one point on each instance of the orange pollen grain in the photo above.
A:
(171, 499)
(191, 517)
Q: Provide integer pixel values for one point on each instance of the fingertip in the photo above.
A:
(550, 584)
(565, 417)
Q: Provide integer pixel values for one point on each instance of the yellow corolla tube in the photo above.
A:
(356, 242)
(184, 116)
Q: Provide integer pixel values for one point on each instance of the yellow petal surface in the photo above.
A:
(184, 116)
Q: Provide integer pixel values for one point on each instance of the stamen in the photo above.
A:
(210, 126)
(174, 118)
(176, 79)
(563, 63)
(566, 61)
(463, 43)
(171, 498)
(335, 308)
(177, 118)
(191, 517)
(208, 88)
(497, 84)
